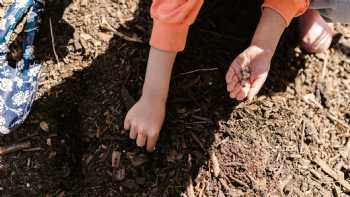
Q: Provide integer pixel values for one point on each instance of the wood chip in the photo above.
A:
(333, 174)
(215, 162)
(14, 148)
(116, 155)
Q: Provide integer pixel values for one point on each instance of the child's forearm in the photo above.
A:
(269, 30)
(158, 74)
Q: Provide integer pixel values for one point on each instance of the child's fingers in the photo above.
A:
(236, 67)
(233, 83)
(151, 143)
(235, 91)
(243, 93)
(141, 139)
(127, 124)
(230, 74)
(241, 61)
(133, 132)
(256, 86)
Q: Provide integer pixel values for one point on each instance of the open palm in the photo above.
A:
(257, 61)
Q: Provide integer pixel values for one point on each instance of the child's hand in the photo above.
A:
(144, 120)
(248, 72)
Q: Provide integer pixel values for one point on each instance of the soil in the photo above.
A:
(210, 145)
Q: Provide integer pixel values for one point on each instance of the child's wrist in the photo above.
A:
(154, 96)
(268, 51)
(267, 47)
(269, 30)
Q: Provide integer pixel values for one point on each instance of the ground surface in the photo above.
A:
(279, 145)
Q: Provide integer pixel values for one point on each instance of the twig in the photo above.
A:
(53, 42)
(316, 174)
(199, 70)
(223, 141)
(239, 182)
(332, 117)
(134, 38)
(14, 148)
(302, 138)
(33, 149)
(198, 141)
(333, 174)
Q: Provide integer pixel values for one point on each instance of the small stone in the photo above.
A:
(44, 126)
(49, 142)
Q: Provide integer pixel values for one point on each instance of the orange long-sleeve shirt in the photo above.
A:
(172, 19)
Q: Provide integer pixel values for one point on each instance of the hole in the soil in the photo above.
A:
(347, 117)
(70, 148)
(346, 173)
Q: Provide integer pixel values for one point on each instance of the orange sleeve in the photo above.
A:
(171, 21)
(288, 9)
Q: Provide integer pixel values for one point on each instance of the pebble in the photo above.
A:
(44, 126)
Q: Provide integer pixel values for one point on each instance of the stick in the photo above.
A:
(53, 42)
(14, 148)
(302, 138)
(236, 180)
(199, 70)
(216, 165)
(333, 174)
(332, 117)
(134, 38)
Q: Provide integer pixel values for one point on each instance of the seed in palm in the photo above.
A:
(245, 76)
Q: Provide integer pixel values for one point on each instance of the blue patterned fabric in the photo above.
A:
(18, 81)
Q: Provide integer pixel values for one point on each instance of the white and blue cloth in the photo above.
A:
(18, 81)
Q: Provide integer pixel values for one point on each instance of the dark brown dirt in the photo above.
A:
(264, 148)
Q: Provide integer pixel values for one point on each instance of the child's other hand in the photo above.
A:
(248, 72)
(144, 120)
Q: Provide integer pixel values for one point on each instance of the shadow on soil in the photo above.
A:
(92, 100)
